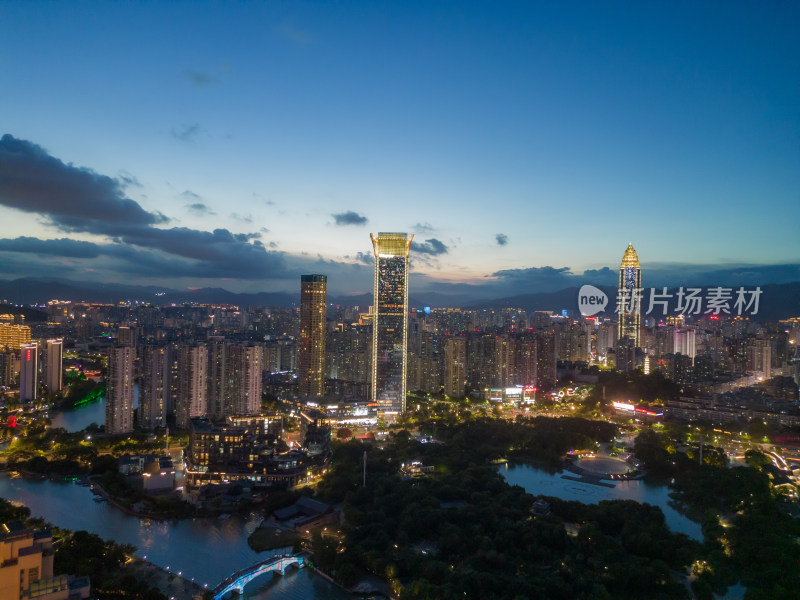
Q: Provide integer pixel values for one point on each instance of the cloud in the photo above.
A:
(33, 181)
(78, 200)
(243, 218)
(196, 205)
(731, 274)
(424, 228)
(502, 239)
(58, 247)
(349, 218)
(190, 195)
(199, 209)
(365, 258)
(129, 180)
(200, 78)
(537, 277)
(186, 133)
(431, 246)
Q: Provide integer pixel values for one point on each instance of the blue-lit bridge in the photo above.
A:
(238, 580)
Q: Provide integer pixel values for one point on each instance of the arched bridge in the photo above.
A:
(238, 580)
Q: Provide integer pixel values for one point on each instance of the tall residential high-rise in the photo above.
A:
(390, 322)
(455, 366)
(192, 400)
(154, 389)
(119, 401)
(629, 298)
(234, 378)
(29, 372)
(243, 369)
(126, 336)
(8, 371)
(217, 381)
(546, 360)
(53, 361)
(684, 342)
(759, 355)
(311, 345)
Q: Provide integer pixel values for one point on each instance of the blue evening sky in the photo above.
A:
(507, 136)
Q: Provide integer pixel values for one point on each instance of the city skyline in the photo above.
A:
(510, 134)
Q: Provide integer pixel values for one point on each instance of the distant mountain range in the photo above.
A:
(778, 301)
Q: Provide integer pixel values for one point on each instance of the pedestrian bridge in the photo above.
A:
(238, 580)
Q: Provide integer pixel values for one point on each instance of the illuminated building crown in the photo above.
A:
(629, 259)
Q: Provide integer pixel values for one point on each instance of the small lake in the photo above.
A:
(536, 481)
(81, 418)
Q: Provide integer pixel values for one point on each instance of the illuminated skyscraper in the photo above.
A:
(629, 298)
(119, 401)
(390, 322)
(311, 346)
(29, 372)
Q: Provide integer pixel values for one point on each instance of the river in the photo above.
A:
(208, 550)
(536, 481)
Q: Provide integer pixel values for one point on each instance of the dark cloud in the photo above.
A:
(365, 258)
(502, 239)
(122, 258)
(186, 133)
(431, 246)
(678, 274)
(33, 181)
(78, 200)
(60, 247)
(200, 78)
(424, 228)
(349, 218)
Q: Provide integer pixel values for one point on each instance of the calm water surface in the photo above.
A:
(207, 550)
(76, 420)
(536, 481)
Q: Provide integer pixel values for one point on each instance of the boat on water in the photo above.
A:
(99, 499)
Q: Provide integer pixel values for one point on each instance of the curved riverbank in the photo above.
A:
(207, 550)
